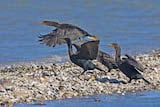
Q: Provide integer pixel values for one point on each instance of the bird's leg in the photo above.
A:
(146, 81)
(83, 72)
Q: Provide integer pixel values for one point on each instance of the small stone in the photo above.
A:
(45, 73)
(2, 89)
(35, 82)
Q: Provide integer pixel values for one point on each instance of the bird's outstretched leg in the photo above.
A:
(146, 81)
(83, 72)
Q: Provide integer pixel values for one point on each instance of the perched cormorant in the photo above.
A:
(134, 62)
(89, 50)
(106, 60)
(61, 31)
(85, 64)
(125, 65)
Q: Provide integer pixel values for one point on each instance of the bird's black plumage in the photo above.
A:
(61, 31)
(83, 63)
(125, 66)
(134, 62)
(106, 60)
(88, 49)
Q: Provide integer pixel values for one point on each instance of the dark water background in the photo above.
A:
(134, 24)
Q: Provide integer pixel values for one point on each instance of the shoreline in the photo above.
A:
(37, 83)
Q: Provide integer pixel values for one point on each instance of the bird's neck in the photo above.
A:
(118, 54)
(70, 51)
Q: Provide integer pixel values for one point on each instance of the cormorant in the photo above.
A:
(106, 60)
(87, 49)
(134, 62)
(61, 31)
(125, 65)
(76, 59)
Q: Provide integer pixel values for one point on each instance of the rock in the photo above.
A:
(45, 73)
(35, 82)
(2, 89)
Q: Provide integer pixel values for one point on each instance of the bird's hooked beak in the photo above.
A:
(93, 38)
(111, 45)
(42, 22)
(114, 45)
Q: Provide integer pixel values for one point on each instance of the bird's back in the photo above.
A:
(106, 59)
(129, 70)
(87, 50)
(61, 31)
(134, 63)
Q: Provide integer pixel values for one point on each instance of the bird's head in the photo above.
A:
(44, 23)
(114, 45)
(50, 23)
(93, 38)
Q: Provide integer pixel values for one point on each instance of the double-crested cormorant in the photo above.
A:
(125, 65)
(61, 31)
(76, 59)
(87, 49)
(106, 60)
(134, 62)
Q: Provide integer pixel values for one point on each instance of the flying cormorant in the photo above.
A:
(61, 31)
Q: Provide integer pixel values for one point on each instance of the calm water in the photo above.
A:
(133, 24)
(139, 99)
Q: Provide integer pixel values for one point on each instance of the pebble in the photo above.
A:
(36, 83)
(2, 89)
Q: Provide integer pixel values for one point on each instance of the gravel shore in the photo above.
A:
(36, 83)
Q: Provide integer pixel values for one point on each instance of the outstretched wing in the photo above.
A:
(51, 40)
(61, 31)
(92, 47)
(78, 45)
(87, 50)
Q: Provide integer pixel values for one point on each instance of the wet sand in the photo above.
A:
(37, 83)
